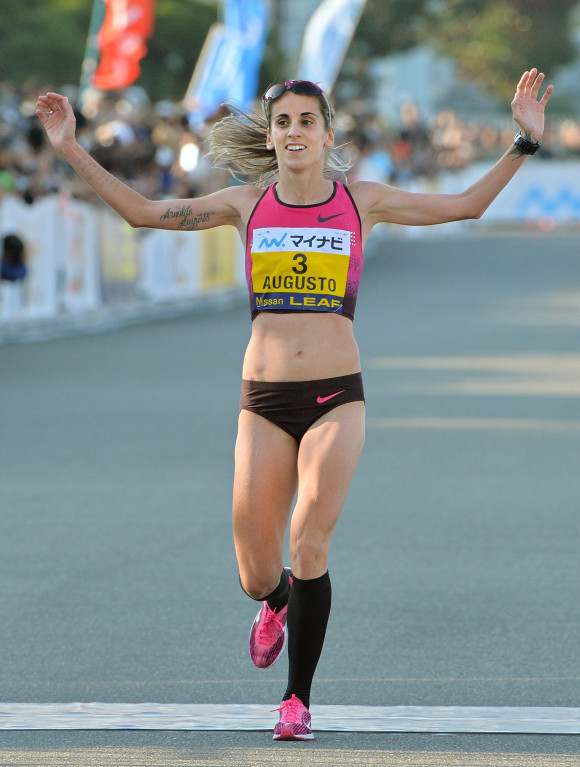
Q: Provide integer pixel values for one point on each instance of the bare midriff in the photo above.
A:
(300, 347)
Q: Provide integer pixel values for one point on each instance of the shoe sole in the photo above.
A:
(287, 734)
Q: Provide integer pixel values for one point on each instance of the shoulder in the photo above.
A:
(245, 194)
(239, 195)
(248, 197)
(367, 194)
(239, 200)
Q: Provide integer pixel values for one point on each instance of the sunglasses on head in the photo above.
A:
(300, 87)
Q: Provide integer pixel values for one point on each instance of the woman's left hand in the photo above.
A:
(528, 112)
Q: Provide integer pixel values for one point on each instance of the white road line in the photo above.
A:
(157, 716)
(470, 424)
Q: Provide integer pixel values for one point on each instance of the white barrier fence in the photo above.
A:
(544, 194)
(82, 259)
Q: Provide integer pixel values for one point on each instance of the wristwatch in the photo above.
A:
(525, 146)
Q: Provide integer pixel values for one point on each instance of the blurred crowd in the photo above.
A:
(154, 148)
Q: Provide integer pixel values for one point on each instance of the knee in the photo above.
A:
(309, 555)
(256, 586)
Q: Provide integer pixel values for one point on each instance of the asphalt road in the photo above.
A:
(455, 566)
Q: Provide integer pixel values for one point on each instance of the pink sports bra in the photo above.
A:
(304, 258)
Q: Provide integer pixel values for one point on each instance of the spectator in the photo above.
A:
(13, 259)
(154, 149)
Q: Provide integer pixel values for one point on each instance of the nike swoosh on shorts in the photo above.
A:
(322, 400)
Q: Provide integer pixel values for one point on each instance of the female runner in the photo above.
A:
(301, 421)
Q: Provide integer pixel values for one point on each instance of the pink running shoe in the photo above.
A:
(268, 635)
(294, 721)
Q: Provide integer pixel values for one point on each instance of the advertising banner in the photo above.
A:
(544, 193)
(169, 265)
(221, 250)
(80, 251)
(119, 258)
(178, 265)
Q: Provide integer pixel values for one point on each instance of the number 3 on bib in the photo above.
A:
(301, 259)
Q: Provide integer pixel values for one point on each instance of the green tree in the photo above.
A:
(388, 26)
(43, 40)
(492, 41)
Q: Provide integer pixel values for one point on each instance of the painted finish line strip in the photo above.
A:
(157, 716)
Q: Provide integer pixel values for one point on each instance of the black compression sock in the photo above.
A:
(279, 597)
(308, 611)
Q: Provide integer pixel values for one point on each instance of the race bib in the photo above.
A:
(298, 269)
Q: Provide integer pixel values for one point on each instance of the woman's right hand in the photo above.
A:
(57, 116)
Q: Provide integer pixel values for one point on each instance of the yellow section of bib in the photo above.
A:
(302, 273)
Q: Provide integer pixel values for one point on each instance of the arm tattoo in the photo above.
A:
(188, 220)
(516, 153)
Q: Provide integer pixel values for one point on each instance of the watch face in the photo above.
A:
(525, 146)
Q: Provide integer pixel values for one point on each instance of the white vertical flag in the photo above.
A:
(326, 40)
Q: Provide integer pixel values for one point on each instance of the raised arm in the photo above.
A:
(224, 207)
(382, 203)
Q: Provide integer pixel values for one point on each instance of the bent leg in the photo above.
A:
(265, 482)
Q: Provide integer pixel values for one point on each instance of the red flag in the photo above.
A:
(127, 26)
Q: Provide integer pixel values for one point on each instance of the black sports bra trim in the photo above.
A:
(315, 205)
(347, 190)
(252, 213)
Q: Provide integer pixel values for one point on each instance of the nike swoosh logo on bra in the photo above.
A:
(322, 219)
(322, 400)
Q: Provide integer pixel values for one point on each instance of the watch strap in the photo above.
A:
(524, 145)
